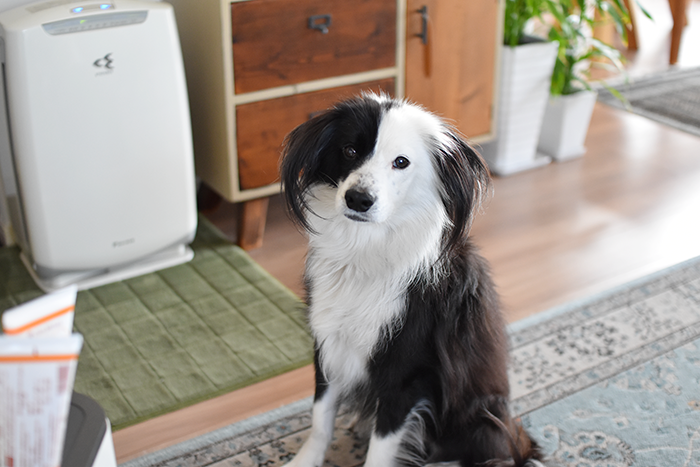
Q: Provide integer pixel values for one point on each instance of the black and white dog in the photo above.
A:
(405, 318)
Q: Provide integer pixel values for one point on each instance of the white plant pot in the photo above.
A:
(525, 75)
(565, 125)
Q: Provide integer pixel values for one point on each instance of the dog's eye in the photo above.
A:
(349, 152)
(401, 162)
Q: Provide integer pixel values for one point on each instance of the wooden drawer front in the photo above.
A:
(273, 44)
(263, 125)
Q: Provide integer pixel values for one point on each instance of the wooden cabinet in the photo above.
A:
(451, 57)
(258, 68)
(262, 126)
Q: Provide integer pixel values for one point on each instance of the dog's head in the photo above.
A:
(383, 161)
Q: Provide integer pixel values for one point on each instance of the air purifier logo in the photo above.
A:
(105, 64)
(120, 243)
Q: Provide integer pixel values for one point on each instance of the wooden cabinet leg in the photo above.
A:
(632, 42)
(678, 13)
(251, 223)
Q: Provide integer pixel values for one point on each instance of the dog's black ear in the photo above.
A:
(301, 160)
(465, 180)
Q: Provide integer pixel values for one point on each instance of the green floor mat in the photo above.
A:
(166, 340)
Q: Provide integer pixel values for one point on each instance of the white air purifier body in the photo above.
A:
(95, 143)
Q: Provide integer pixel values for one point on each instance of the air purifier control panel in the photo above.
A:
(89, 23)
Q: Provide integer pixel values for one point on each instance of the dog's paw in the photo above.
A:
(299, 464)
(293, 463)
(533, 463)
(512, 463)
(305, 459)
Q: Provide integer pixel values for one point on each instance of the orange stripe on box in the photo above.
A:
(28, 326)
(37, 358)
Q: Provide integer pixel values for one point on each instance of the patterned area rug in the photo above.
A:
(608, 382)
(672, 98)
(166, 340)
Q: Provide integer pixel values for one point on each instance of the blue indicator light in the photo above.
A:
(105, 6)
(77, 10)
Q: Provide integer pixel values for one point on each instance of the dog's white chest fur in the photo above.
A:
(350, 311)
(358, 275)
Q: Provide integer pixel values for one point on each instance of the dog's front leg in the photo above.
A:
(323, 415)
(384, 449)
(399, 431)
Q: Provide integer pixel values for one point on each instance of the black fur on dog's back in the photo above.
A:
(452, 350)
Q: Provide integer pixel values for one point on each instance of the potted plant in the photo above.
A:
(526, 68)
(570, 107)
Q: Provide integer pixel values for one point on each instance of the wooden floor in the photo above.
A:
(631, 206)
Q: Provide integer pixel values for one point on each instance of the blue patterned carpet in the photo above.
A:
(646, 416)
(611, 381)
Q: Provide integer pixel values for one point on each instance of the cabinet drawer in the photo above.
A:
(274, 45)
(262, 126)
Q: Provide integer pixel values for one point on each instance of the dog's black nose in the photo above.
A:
(359, 201)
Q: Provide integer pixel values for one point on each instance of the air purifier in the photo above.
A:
(95, 140)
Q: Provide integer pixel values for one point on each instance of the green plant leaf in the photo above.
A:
(601, 49)
(517, 15)
(618, 96)
(644, 11)
(570, 24)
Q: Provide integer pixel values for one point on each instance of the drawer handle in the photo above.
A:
(424, 24)
(320, 23)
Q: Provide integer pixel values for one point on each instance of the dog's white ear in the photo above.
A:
(465, 180)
